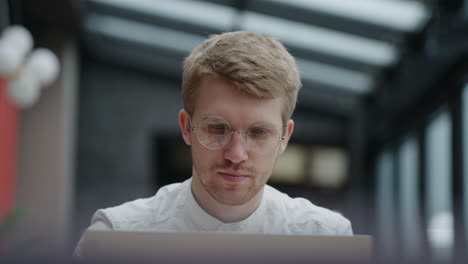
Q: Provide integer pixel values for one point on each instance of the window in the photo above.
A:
(439, 186)
(328, 167)
(317, 166)
(290, 168)
(408, 170)
(385, 204)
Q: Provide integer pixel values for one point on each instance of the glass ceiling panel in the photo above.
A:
(406, 16)
(183, 43)
(142, 33)
(303, 36)
(333, 43)
(192, 12)
(354, 81)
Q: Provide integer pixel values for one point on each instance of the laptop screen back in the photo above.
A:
(202, 247)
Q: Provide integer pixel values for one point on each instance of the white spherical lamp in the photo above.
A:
(20, 37)
(15, 42)
(44, 64)
(10, 59)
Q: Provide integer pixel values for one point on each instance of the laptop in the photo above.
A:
(156, 247)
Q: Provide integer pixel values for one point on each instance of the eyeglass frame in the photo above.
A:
(196, 130)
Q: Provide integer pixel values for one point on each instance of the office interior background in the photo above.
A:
(381, 123)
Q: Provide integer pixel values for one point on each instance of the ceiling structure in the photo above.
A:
(366, 60)
(378, 54)
(344, 48)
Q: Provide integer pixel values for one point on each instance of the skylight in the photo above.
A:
(333, 43)
(406, 16)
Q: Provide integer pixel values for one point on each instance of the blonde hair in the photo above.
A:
(258, 65)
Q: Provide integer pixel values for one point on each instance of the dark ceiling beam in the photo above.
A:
(231, 3)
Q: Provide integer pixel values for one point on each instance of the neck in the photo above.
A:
(223, 212)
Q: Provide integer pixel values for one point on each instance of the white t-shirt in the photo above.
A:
(174, 209)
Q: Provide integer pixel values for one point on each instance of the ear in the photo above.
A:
(185, 128)
(287, 136)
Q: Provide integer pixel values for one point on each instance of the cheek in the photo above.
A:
(264, 164)
(203, 158)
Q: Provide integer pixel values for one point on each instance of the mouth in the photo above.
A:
(233, 177)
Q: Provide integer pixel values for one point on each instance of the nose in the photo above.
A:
(236, 151)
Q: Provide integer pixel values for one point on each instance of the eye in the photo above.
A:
(216, 129)
(259, 132)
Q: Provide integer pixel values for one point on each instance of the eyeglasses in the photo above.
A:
(214, 132)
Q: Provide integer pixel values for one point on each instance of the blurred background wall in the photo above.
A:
(380, 122)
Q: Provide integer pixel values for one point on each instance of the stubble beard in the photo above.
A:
(210, 186)
(216, 191)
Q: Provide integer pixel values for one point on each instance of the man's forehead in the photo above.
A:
(218, 96)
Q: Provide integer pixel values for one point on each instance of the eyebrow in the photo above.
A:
(261, 121)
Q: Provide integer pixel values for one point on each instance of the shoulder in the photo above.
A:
(304, 217)
(141, 213)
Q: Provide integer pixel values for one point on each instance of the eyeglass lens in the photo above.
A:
(215, 133)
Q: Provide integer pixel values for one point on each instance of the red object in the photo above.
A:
(8, 151)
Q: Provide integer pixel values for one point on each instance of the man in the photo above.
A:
(239, 91)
